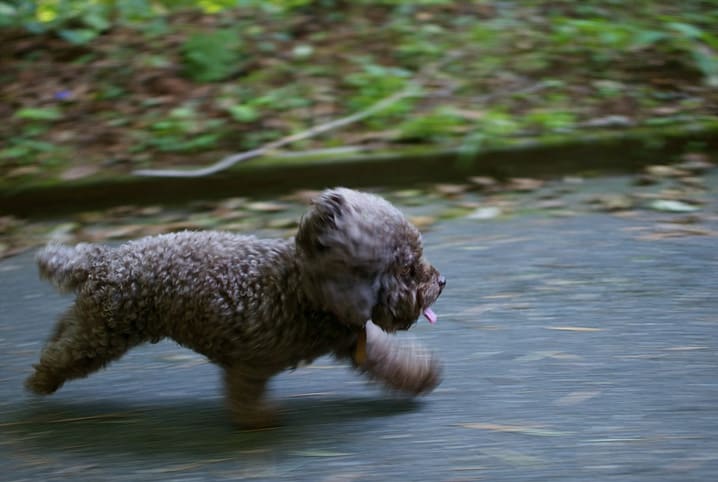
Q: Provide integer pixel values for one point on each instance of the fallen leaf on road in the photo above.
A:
(521, 429)
(512, 457)
(451, 190)
(693, 181)
(283, 223)
(687, 219)
(542, 355)
(550, 204)
(524, 184)
(63, 232)
(8, 223)
(573, 328)
(22, 171)
(577, 397)
(102, 416)
(266, 207)
(484, 183)
(183, 358)
(320, 453)
(489, 212)
(665, 171)
(612, 202)
(78, 172)
(302, 196)
(536, 356)
(697, 162)
(422, 222)
(686, 348)
(667, 232)
(667, 205)
(115, 232)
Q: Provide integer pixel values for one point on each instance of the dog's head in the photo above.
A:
(363, 260)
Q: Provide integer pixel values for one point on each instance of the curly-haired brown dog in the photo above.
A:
(253, 306)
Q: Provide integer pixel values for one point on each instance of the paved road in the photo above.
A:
(574, 350)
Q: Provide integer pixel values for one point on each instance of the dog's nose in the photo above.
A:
(442, 282)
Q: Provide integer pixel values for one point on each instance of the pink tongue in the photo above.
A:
(430, 315)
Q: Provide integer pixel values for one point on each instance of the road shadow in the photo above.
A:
(192, 429)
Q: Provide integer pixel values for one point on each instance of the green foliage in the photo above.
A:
(281, 99)
(75, 21)
(243, 112)
(291, 4)
(496, 123)
(248, 105)
(212, 56)
(25, 150)
(604, 41)
(608, 88)
(80, 21)
(28, 146)
(551, 120)
(417, 44)
(374, 83)
(493, 129)
(329, 4)
(639, 60)
(39, 113)
(491, 35)
(438, 125)
(182, 131)
(700, 45)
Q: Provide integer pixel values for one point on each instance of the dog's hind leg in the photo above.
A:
(75, 349)
(246, 390)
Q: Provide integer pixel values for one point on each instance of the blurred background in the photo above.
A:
(559, 157)
(95, 93)
(109, 87)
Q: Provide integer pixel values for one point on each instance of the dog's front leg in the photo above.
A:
(401, 365)
(246, 390)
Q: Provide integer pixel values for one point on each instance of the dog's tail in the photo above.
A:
(68, 267)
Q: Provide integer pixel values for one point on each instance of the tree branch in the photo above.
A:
(409, 90)
(413, 88)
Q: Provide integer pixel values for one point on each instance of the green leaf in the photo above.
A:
(644, 38)
(40, 146)
(182, 113)
(243, 113)
(433, 126)
(708, 65)
(78, 36)
(690, 31)
(6, 11)
(96, 21)
(14, 152)
(39, 113)
(210, 57)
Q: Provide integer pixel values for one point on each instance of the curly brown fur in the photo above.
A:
(253, 306)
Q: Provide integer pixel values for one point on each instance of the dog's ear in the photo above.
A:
(342, 255)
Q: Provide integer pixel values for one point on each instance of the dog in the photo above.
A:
(353, 275)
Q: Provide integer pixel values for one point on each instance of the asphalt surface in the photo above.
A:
(576, 348)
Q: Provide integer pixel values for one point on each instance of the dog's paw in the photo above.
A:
(256, 418)
(401, 365)
(42, 383)
(422, 376)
